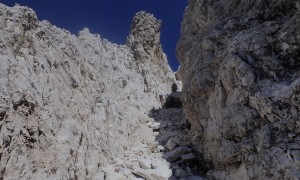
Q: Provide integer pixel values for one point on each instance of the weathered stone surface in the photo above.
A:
(162, 172)
(157, 164)
(99, 175)
(111, 174)
(125, 171)
(195, 178)
(240, 67)
(171, 144)
(145, 163)
(154, 125)
(69, 104)
(180, 173)
(143, 173)
(188, 157)
(153, 146)
(176, 153)
(144, 41)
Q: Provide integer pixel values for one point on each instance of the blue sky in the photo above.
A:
(111, 18)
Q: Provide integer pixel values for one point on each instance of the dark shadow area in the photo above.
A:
(172, 135)
(173, 101)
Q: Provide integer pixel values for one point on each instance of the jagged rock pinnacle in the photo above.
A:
(144, 36)
(144, 41)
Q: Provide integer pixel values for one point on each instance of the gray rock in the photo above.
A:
(189, 171)
(188, 157)
(180, 173)
(176, 153)
(171, 144)
(239, 65)
(172, 178)
(195, 178)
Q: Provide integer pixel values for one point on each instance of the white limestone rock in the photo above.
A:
(144, 163)
(125, 171)
(154, 125)
(159, 174)
(142, 173)
(110, 173)
(99, 175)
(153, 146)
(157, 163)
(164, 172)
(161, 148)
(68, 104)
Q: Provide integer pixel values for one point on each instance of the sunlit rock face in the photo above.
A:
(71, 104)
(240, 66)
(144, 41)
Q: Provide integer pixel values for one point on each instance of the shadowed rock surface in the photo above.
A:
(240, 67)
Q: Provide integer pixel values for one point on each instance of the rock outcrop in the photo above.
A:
(144, 41)
(240, 67)
(70, 105)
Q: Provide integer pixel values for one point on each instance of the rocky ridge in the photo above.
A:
(240, 69)
(70, 106)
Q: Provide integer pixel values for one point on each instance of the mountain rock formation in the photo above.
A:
(240, 67)
(80, 107)
(69, 105)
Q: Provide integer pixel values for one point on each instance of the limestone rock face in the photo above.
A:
(144, 40)
(71, 104)
(240, 65)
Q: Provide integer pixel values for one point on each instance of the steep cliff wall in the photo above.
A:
(240, 64)
(71, 104)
